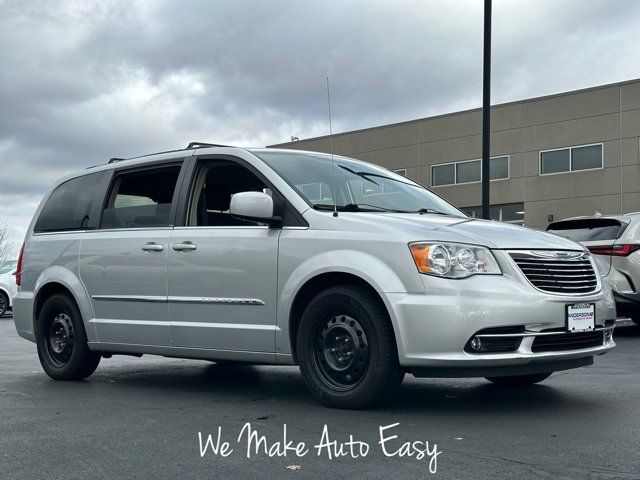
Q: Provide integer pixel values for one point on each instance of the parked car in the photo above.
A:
(614, 241)
(7, 285)
(231, 254)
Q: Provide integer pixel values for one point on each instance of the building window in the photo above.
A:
(316, 192)
(571, 159)
(443, 174)
(401, 171)
(468, 171)
(499, 167)
(586, 158)
(508, 213)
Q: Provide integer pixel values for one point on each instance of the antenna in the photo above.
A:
(333, 172)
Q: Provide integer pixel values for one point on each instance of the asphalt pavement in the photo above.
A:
(140, 418)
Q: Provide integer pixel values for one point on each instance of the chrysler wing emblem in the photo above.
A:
(557, 254)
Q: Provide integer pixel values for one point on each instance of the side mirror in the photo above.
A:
(254, 206)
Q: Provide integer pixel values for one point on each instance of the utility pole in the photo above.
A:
(486, 110)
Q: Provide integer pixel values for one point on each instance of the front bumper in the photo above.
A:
(433, 328)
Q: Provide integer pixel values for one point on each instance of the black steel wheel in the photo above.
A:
(341, 351)
(346, 348)
(60, 339)
(62, 342)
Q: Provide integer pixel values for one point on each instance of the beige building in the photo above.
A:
(553, 157)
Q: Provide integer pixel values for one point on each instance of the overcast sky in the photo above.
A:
(82, 81)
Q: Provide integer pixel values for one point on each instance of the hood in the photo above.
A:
(491, 234)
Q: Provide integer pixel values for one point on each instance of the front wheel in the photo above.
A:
(520, 380)
(62, 342)
(346, 349)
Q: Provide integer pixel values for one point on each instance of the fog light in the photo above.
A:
(476, 344)
(608, 334)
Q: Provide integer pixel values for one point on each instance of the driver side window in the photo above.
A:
(215, 183)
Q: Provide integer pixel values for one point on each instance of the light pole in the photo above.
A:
(486, 110)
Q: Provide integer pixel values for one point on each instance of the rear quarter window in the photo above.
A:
(70, 204)
(588, 230)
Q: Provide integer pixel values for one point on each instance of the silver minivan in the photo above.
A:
(282, 257)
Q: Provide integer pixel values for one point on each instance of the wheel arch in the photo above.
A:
(320, 282)
(59, 280)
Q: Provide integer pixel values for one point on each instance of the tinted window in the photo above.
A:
(588, 229)
(69, 206)
(584, 158)
(443, 175)
(555, 161)
(141, 199)
(499, 168)
(468, 172)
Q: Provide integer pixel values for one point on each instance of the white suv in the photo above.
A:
(289, 257)
(614, 242)
(7, 285)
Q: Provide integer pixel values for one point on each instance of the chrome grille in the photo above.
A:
(558, 271)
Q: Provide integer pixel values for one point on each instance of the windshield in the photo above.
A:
(359, 186)
(6, 267)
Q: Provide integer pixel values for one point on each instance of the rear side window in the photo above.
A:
(141, 199)
(69, 206)
(588, 229)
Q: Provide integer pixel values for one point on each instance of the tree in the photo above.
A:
(6, 244)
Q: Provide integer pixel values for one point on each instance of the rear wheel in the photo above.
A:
(520, 380)
(4, 304)
(346, 349)
(62, 342)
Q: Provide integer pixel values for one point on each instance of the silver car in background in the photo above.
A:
(614, 241)
(354, 273)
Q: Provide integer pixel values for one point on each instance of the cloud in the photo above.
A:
(84, 81)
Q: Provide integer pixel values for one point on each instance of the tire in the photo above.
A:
(347, 350)
(636, 318)
(62, 342)
(520, 380)
(4, 304)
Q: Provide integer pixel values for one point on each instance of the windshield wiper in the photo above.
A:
(357, 207)
(430, 210)
(363, 175)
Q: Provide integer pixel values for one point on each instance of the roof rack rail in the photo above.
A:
(116, 159)
(204, 144)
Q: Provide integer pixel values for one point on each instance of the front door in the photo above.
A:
(222, 271)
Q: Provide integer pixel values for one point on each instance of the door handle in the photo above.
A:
(152, 247)
(179, 247)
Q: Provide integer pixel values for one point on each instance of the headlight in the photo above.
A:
(453, 260)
